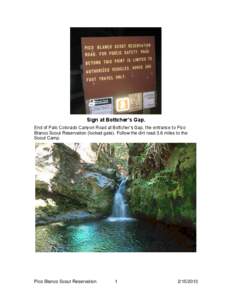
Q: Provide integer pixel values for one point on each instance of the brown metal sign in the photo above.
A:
(118, 66)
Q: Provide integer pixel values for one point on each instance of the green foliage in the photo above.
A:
(114, 156)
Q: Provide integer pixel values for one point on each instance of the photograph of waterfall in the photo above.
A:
(115, 197)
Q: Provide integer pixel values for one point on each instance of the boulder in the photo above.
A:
(62, 177)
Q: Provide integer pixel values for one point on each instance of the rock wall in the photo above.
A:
(162, 182)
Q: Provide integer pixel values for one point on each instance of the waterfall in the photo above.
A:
(120, 207)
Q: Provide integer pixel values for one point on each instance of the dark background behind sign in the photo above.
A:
(77, 102)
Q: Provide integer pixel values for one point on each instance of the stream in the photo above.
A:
(117, 233)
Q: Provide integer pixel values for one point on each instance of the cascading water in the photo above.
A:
(120, 207)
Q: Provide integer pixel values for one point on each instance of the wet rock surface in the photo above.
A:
(75, 215)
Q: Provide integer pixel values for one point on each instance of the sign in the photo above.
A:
(149, 99)
(122, 104)
(136, 102)
(118, 66)
(101, 106)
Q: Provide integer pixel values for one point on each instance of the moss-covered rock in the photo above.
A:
(168, 194)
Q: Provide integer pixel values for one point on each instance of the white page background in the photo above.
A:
(196, 91)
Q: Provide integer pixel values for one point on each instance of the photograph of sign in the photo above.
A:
(101, 106)
(149, 99)
(118, 65)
